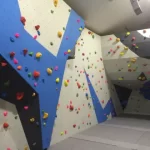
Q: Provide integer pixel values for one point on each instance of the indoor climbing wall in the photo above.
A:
(122, 61)
(11, 131)
(85, 98)
(137, 104)
(37, 47)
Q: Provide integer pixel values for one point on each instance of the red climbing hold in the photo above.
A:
(5, 125)
(23, 20)
(37, 27)
(12, 54)
(19, 96)
(103, 101)
(74, 125)
(36, 74)
(71, 107)
(78, 85)
(25, 51)
(3, 64)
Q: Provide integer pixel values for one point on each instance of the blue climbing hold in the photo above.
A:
(38, 32)
(12, 39)
(26, 69)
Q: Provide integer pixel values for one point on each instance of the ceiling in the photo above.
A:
(111, 16)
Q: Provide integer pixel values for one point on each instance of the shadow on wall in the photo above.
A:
(145, 90)
(123, 95)
(14, 89)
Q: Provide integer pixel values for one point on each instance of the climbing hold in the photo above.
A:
(29, 74)
(89, 115)
(8, 148)
(69, 50)
(78, 84)
(144, 31)
(133, 60)
(110, 38)
(121, 53)
(38, 32)
(55, 3)
(31, 54)
(38, 55)
(26, 69)
(37, 27)
(15, 61)
(80, 29)
(45, 115)
(128, 33)
(57, 80)
(65, 83)
(35, 84)
(12, 39)
(26, 107)
(12, 54)
(49, 71)
(121, 78)
(23, 20)
(5, 125)
(44, 123)
(134, 45)
(5, 113)
(36, 74)
(3, 64)
(7, 83)
(51, 43)
(118, 47)
(74, 125)
(52, 11)
(117, 39)
(35, 37)
(126, 48)
(59, 34)
(133, 38)
(71, 107)
(56, 68)
(142, 77)
(25, 148)
(32, 120)
(19, 95)
(61, 133)
(33, 94)
(17, 35)
(25, 51)
(19, 67)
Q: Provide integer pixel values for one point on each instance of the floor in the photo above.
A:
(120, 133)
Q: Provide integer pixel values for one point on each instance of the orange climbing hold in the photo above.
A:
(19, 96)
(36, 74)
(19, 67)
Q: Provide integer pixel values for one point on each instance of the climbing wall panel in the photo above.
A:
(85, 94)
(32, 59)
(122, 62)
(43, 22)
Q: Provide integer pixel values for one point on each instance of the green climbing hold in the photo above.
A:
(69, 10)
(51, 43)
(52, 11)
(31, 54)
(64, 28)
(29, 74)
(93, 36)
(80, 29)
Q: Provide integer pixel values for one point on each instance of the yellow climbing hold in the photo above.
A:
(80, 29)
(45, 116)
(121, 78)
(38, 55)
(57, 80)
(32, 120)
(55, 3)
(133, 60)
(128, 33)
(61, 133)
(59, 34)
(65, 83)
(25, 148)
(121, 53)
(49, 71)
(126, 48)
(69, 50)
(129, 65)
(117, 39)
